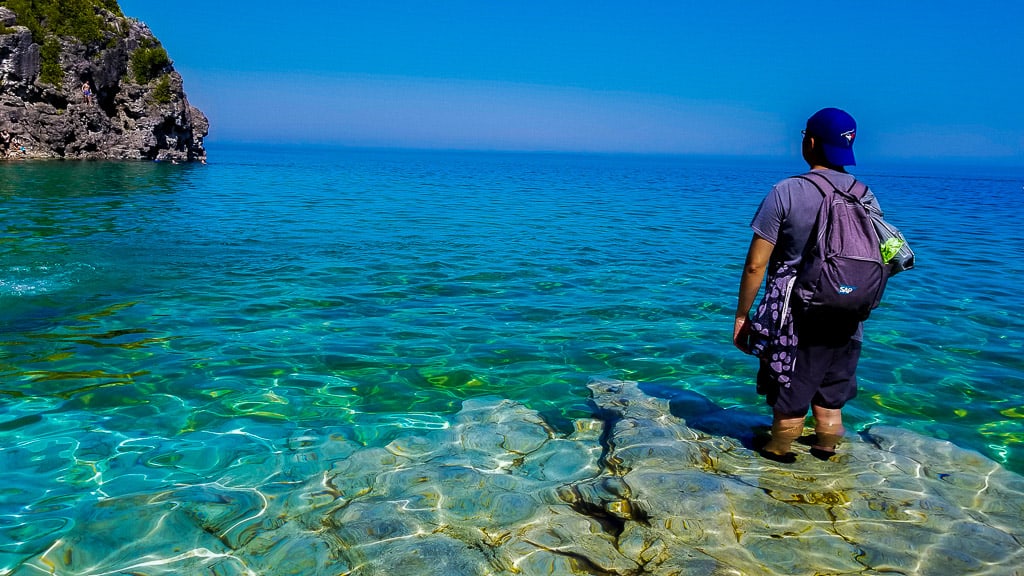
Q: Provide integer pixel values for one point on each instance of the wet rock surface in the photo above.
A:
(123, 118)
(497, 491)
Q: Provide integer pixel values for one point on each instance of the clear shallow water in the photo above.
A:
(165, 326)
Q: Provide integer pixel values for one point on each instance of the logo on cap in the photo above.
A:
(849, 135)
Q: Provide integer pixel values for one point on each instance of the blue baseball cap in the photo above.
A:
(836, 131)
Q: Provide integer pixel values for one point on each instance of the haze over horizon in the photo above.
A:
(935, 81)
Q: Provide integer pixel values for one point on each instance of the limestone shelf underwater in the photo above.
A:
(495, 490)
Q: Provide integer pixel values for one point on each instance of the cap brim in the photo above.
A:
(839, 156)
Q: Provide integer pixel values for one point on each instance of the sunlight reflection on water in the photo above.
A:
(166, 328)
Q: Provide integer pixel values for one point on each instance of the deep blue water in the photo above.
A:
(143, 306)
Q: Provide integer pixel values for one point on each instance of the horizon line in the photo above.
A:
(886, 161)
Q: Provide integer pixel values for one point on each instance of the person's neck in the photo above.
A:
(826, 167)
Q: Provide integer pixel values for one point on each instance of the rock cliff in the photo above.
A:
(112, 95)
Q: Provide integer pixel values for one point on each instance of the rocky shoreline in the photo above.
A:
(99, 108)
(635, 490)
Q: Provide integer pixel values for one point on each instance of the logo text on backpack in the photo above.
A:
(847, 289)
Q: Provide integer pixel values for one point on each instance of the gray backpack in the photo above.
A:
(841, 271)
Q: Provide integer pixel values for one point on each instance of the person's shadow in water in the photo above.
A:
(700, 413)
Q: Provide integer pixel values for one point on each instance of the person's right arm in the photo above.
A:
(758, 254)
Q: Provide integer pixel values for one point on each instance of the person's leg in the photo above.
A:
(786, 428)
(838, 388)
(828, 429)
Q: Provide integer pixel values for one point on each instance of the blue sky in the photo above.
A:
(932, 80)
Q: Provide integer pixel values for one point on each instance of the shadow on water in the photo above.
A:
(55, 178)
(701, 413)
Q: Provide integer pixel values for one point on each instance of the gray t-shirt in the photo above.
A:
(786, 216)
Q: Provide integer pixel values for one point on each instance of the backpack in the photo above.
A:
(841, 271)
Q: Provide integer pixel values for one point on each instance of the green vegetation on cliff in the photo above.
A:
(75, 18)
(50, 71)
(162, 90)
(148, 62)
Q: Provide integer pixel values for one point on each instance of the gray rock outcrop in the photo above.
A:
(496, 491)
(122, 118)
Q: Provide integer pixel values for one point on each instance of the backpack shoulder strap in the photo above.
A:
(814, 181)
(857, 189)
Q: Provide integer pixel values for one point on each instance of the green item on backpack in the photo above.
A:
(890, 248)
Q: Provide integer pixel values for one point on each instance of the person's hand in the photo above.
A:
(741, 334)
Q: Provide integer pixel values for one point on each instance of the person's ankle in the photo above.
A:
(822, 454)
(777, 447)
(828, 440)
(784, 458)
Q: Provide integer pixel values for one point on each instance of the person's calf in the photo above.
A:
(828, 431)
(825, 442)
(784, 433)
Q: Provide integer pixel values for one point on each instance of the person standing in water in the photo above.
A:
(819, 372)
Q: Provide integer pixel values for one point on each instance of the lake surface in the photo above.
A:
(151, 314)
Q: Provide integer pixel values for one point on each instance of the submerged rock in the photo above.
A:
(633, 491)
(136, 107)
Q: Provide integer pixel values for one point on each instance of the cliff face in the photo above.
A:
(135, 107)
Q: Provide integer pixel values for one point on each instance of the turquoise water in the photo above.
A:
(174, 325)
